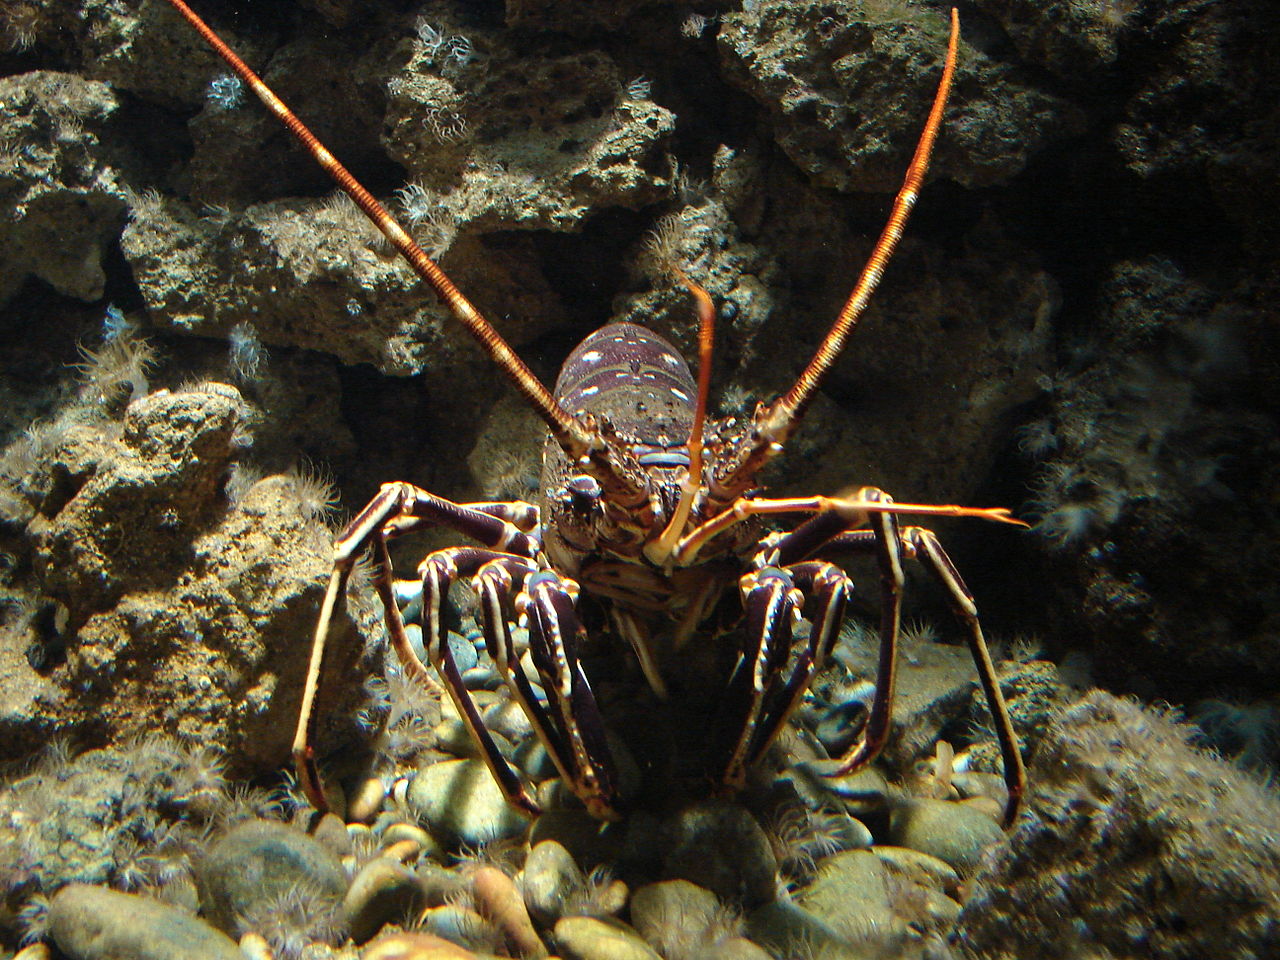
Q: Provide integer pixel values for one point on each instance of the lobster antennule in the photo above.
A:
(786, 411)
(575, 438)
(660, 550)
(706, 348)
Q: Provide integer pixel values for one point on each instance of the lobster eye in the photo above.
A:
(582, 491)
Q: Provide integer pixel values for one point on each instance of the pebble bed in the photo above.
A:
(145, 850)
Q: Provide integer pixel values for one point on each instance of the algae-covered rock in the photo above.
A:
(59, 192)
(846, 89)
(258, 862)
(1151, 841)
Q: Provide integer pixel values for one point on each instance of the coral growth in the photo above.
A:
(802, 837)
(129, 817)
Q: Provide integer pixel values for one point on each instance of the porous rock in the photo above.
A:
(1131, 834)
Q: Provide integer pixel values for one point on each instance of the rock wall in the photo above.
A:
(1080, 323)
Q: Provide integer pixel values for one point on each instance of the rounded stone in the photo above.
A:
(952, 832)
(481, 677)
(550, 877)
(497, 898)
(415, 946)
(383, 890)
(460, 804)
(736, 948)
(257, 860)
(865, 791)
(593, 938)
(986, 805)
(589, 842)
(254, 946)
(399, 832)
(659, 908)
(924, 869)
(332, 833)
(464, 652)
(849, 890)
(532, 757)
(452, 736)
(720, 846)
(976, 783)
(94, 923)
(366, 798)
(508, 718)
(440, 885)
(455, 923)
(786, 929)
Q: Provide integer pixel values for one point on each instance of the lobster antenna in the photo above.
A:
(659, 551)
(786, 411)
(572, 436)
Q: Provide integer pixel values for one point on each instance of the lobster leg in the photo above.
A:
(923, 545)
(438, 571)
(935, 560)
(554, 633)
(828, 588)
(887, 544)
(853, 512)
(396, 509)
(497, 586)
(567, 720)
(773, 597)
(772, 603)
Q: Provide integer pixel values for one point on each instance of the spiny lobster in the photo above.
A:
(650, 510)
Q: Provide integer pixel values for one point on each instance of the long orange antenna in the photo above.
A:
(576, 439)
(787, 410)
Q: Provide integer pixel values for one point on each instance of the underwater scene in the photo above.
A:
(635, 480)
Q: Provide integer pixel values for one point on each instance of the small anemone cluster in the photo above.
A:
(129, 818)
(801, 837)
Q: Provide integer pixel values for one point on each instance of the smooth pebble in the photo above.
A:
(383, 890)
(95, 923)
(952, 832)
(550, 877)
(720, 846)
(592, 938)
(460, 804)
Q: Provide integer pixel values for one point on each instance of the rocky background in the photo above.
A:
(209, 358)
